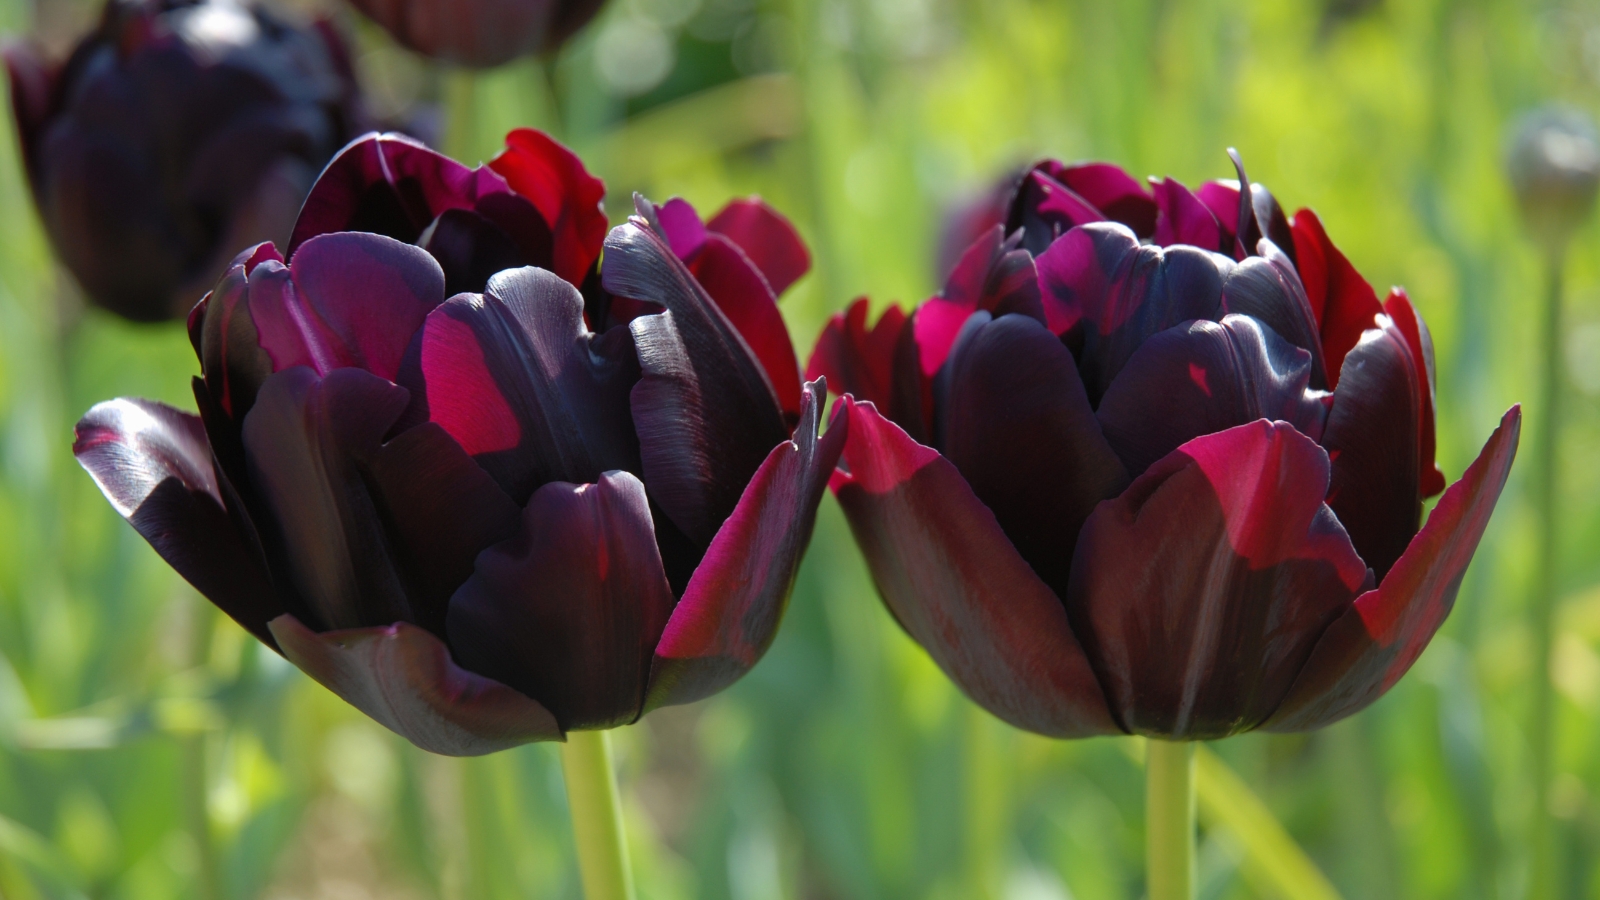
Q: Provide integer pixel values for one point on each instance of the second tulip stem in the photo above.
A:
(596, 816)
(1169, 819)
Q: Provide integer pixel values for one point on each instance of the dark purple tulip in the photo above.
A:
(1120, 476)
(480, 33)
(482, 520)
(177, 132)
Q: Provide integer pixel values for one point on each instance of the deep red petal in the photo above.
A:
(857, 360)
(950, 576)
(539, 168)
(1368, 648)
(744, 297)
(767, 238)
(403, 677)
(730, 611)
(1201, 591)
(1341, 299)
(1420, 343)
(1185, 220)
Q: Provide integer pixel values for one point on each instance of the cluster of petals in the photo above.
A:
(479, 485)
(1154, 462)
(175, 133)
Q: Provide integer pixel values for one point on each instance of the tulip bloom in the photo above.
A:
(480, 33)
(174, 134)
(477, 519)
(1155, 464)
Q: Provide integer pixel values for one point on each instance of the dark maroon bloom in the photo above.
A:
(1121, 476)
(177, 132)
(478, 519)
(480, 32)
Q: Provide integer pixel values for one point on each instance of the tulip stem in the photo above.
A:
(1169, 819)
(596, 816)
(1543, 490)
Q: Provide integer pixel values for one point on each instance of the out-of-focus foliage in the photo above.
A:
(148, 749)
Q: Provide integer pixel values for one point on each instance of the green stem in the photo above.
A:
(596, 816)
(1543, 490)
(1169, 819)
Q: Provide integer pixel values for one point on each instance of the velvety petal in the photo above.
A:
(1266, 287)
(1342, 301)
(403, 677)
(857, 360)
(1017, 425)
(767, 237)
(1201, 591)
(742, 294)
(995, 276)
(730, 611)
(569, 609)
(1105, 294)
(1203, 377)
(479, 33)
(1374, 441)
(1110, 189)
(1365, 651)
(469, 248)
(392, 185)
(153, 463)
(1420, 343)
(1184, 219)
(347, 299)
(952, 579)
(519, 381)
(303, 441)
(704, 410)
(552, 177)
(229, 347)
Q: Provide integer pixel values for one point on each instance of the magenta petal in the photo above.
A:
(1373, 439)
(1185, 220)
(1105, 294)
(570, 608)
(153, 463)
(1200, 592)
(347, 299)
(767, 238)
(1017, 425)
(682, 226)
(958, 586)
(403, 677)
(517, 379)
(1367, 649)
(392, 185)
(742, 294)
(1043, 209)
(705, 412)
(1204, 377)
(1117, 195)
(730, 611)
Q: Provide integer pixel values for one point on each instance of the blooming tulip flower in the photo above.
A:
(177, 132)
(475, 518)
(1154, 463)
(480, 33)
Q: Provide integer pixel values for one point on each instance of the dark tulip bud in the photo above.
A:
(176, 132)
(480, 33)
(1554, 166)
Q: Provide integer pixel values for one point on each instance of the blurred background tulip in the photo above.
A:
(479, 33)
(175, 133)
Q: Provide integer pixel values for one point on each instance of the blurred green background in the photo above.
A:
(150, 749)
